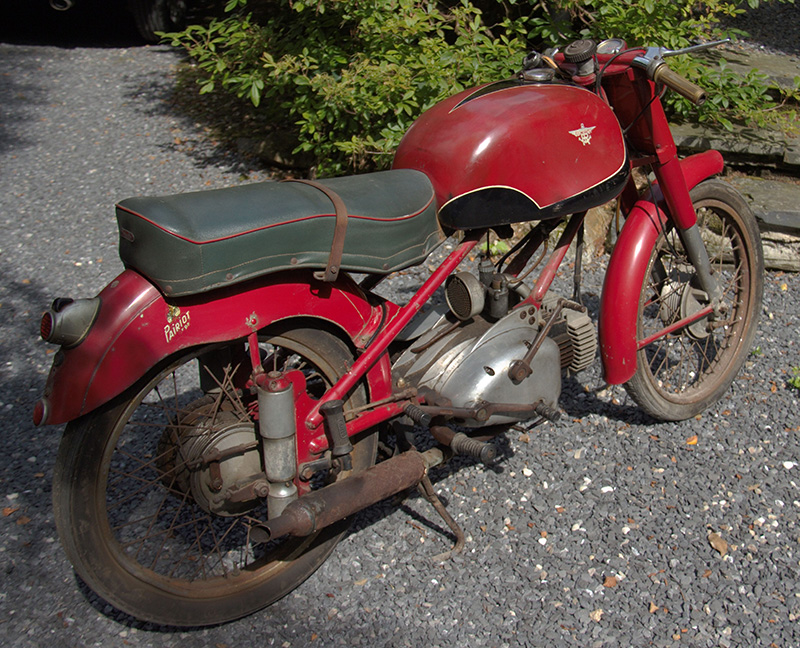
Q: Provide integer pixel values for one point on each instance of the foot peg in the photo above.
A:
(463, 445)
(484, 452)
(333, 413)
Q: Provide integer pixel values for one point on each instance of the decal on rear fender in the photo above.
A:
(177, 322)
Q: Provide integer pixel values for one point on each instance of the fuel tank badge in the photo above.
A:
(584, 134)
(177, 322)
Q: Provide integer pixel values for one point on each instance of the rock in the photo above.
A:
(777, 208)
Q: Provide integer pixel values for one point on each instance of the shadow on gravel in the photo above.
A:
(168, 97)
(18, 98)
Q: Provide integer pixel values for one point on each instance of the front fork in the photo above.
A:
(676, 195)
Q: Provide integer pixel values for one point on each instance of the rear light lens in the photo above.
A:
(46, 326)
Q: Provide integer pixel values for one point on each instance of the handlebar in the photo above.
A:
(649, 59)
(681, 85)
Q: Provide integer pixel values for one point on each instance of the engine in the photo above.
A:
(469, 356)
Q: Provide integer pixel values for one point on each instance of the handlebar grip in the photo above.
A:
(679, 84)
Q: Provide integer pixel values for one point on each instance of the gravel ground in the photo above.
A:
(590, 532)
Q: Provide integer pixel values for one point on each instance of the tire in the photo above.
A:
(153, 16)
(128, 509)
(680, 374)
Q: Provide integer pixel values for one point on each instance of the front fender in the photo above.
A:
(619, 304)
(137, 328)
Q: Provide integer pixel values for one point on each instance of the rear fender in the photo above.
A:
(137, 328)
(619, 305)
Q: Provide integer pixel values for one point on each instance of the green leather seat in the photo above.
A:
(194, 242)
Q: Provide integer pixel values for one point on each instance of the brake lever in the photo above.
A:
(694, 48)
(653, 57)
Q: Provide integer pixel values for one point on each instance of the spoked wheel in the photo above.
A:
(681, 373)
(138, 511)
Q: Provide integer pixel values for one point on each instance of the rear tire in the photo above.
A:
(681, 374)
(132, 510)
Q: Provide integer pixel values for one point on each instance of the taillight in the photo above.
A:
(46, 326)
(68, 321)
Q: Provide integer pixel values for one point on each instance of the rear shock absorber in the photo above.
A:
(276, 426)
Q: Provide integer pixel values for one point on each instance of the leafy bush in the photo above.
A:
(348, 77)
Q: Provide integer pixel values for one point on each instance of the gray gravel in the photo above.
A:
(590, 532)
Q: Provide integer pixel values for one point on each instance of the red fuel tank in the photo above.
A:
(510, 152)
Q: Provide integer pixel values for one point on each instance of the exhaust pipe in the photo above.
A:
(62, 5)
(327, 505)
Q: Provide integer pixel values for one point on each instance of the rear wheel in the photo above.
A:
(132, 500)
(681, 373)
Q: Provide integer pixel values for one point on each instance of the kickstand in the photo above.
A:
(426, 490)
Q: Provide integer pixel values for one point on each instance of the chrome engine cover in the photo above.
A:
(469, 365)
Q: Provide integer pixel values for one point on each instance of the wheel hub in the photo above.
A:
(207, 456)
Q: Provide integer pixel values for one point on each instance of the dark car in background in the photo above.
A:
(149, 16)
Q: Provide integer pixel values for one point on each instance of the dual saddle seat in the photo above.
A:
(196, 242)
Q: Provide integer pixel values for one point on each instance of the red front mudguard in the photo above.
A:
(619, 305)
(136, 329)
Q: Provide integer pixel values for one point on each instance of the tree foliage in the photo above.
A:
(350, 76)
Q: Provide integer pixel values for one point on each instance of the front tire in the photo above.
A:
(681, 373)
(139, 529)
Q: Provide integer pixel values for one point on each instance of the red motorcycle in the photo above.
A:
(226, 393)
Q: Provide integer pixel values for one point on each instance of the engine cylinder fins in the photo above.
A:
(583, 338)
(465, 295)
(575, 335)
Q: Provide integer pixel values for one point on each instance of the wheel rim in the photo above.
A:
(691, 363)
(154, 526)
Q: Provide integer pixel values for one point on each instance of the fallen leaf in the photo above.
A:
(692, 440)
(9, 510)
(596, 615)
(718, 543)
(23, 519)
(610, 581)
(363, 581)
(707, 573)
(653, 608)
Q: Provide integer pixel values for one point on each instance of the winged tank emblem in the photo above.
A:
(584, 134)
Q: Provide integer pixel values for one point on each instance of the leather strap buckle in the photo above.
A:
(331, 271)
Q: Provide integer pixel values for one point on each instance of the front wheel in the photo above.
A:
(134, 500)
(682, 372)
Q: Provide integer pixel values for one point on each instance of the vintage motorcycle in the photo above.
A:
(226, 394)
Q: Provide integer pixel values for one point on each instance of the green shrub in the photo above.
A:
(348, 77)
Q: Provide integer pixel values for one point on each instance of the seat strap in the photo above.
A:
(340, 229)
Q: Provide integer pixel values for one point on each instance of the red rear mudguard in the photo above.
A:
(136, 329)
(619, 304)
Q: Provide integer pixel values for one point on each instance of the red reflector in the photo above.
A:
(46, 326)
(39, 411)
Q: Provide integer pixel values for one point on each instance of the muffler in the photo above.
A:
(337, 501)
